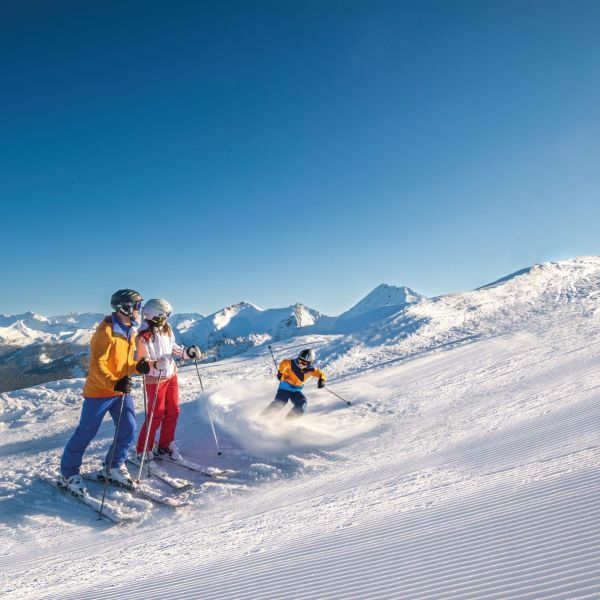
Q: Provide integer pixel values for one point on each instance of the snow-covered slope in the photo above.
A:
(467, 467)
(542, 292)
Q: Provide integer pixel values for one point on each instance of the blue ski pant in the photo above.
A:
(281, 399)
(92, 414)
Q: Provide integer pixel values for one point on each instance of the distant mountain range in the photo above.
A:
(35, 349)
(389, 322)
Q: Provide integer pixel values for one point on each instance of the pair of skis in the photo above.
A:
(111, 510)
(140, 490)
(213, 473)
(118, 513)
(121, 514)
(153, 470)
(222, 475)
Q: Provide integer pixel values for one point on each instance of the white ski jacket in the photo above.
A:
(155, 345)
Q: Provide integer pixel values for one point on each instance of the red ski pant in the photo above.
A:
(166, 412)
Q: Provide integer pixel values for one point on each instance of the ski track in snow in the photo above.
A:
(466, 473)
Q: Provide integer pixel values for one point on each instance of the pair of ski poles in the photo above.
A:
(148, 422)
(112, 452)
(212, 425)
(346, 402)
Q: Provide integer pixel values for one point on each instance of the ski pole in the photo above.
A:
(212, 425)
(338, 396)
(112, 456)
(148, 424)
(274, 361)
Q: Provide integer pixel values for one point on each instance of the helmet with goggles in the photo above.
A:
(126, 301)
(307, 356)
(157, 311)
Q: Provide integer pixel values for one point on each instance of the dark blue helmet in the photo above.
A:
(126, 301)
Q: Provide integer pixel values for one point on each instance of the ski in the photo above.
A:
(111, 511)
(139, 489)
(214, 473)
(155, 471)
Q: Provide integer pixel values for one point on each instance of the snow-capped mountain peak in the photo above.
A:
(223, 318)
(384, 295)
(304, 316)
(30, 319)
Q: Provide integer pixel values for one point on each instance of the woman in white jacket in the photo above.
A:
(156, 342)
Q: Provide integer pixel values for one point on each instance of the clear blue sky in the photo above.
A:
(289, 151)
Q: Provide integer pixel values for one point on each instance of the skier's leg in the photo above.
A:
(300, 404)
(167, 429)
(92, 413)
(281, 399)
(127, 427)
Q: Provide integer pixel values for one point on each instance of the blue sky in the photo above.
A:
(277, 152)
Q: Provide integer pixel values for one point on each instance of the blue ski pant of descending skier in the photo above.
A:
(281, 399)
(92, 413)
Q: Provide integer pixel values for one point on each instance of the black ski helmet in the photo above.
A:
(126, 301)
(307, 355)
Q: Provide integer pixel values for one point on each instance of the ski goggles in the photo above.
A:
(161, 319)
(303, 363)
(129, 307)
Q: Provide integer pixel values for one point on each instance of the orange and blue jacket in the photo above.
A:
(111, 357)
(292, 377)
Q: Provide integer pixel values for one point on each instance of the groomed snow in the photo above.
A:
(468, 468)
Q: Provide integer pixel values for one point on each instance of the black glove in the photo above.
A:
(321, 383)
(143, 366)
(124, 385)
(193, 352)
(279, 375)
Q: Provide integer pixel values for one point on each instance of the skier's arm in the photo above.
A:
(321, 376)
(141, 357)
(178, 351)
(101, 345)
(318, 374)
(140, 348)
(283, 367)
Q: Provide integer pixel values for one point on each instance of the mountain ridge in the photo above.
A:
(396, 316)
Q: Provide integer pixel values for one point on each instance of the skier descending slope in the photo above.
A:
(156, 343)
(292, 374)
(107, 389)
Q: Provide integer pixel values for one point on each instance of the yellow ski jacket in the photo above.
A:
(292, 377)
(111, 357)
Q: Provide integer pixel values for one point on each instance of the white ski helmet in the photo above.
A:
(307, 355)
(157, 311)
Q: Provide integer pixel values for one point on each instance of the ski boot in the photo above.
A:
(119, 475)
(171, 452)
(74, 485)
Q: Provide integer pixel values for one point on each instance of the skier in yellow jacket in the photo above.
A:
(292, 374)
(107, 389)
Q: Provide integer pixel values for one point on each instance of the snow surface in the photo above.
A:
(467, 467)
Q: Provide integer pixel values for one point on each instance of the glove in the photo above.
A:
(279, 375)
(193, 352)
(124, 385)
(143, 366)
(321, 383)
(162, 364)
